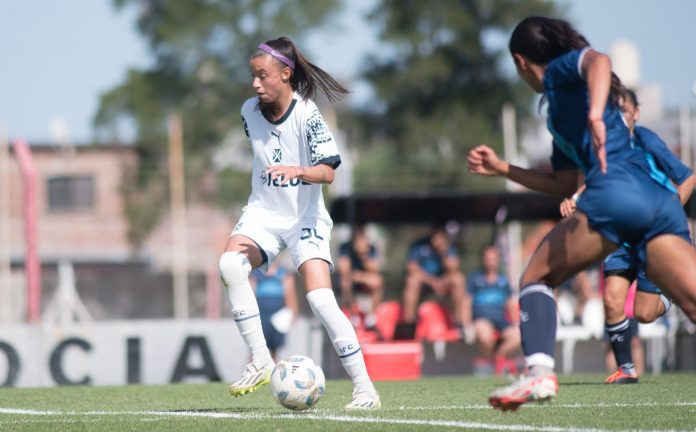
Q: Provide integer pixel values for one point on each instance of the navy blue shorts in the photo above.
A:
(624, 263)
(626, 205)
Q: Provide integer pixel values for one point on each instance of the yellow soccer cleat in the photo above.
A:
(254, 376)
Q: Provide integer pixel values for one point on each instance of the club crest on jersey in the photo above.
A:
(277, 155)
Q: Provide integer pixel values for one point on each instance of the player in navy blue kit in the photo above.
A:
(492, 303)
(621, 202)
(622, 267)
(433, 264)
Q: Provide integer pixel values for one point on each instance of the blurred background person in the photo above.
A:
(278, 307)
(433, 265)
(359, 272)
(493, 307)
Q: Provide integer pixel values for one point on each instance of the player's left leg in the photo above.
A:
(310, 250)
(322, 301)
(570, 247)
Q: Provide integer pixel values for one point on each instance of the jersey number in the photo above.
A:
(309, 233)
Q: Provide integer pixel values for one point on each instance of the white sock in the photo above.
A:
(341, 333)
(235, 269)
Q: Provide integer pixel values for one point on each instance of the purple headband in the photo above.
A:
(267, 49)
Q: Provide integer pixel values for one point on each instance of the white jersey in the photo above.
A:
(299, 138)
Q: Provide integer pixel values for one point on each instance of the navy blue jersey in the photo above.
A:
(346, 250)
(427, 258)
(665, 167)
(566, 92)
(615, 203)
(488, 298)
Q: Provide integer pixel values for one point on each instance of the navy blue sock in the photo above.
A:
(620, 339)
(538, 322)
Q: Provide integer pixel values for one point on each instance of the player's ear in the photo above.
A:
(286, 74)
(520, 61)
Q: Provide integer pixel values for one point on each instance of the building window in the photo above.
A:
(70, 193)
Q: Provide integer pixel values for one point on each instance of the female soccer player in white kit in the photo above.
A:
(294, 154)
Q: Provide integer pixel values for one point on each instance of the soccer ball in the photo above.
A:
(297, 383)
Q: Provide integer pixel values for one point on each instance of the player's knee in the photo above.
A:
(613, 306)
(234, 268)
(645, 316)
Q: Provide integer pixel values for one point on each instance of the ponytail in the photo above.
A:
(306, 77)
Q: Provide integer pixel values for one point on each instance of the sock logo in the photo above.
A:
(345, 348)
(524, 316)
(238, 314)
(616, 338)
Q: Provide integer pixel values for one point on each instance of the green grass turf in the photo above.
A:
(666, 402)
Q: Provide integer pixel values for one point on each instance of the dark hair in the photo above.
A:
(542, 39)
(306, 77)
(631, 96)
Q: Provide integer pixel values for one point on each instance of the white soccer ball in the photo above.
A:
(297, 383)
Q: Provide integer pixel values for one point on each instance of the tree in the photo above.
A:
(200, 52)
(440, 88)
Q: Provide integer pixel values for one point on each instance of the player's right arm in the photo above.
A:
(483, 161)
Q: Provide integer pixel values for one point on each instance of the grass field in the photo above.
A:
(666, 402)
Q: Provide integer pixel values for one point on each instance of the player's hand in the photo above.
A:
(598, 131)
(482, 160)
(283, 172)
(568, 207)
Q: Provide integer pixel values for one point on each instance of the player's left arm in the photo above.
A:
(596, 69)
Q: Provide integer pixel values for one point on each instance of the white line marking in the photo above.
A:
(551, 405)
(313, 416)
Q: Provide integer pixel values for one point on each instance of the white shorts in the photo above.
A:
(305, 240)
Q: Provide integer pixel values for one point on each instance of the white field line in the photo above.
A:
(552, 405)
(308, 416)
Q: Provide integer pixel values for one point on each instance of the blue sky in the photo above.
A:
(56, 57)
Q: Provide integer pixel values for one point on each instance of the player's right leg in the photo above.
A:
(570, 247)
(240, 256)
